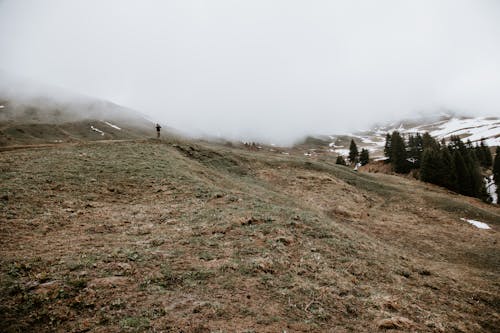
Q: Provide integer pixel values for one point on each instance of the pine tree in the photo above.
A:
(429, 142)
(476, 181)
(496, 170)
(353, 152)
(479, 154)
(457, 144)
(388, 147)
(340, 160)
(398, 157)
(486, 160)
(420, 146)
(429, 166)
(364, 156)
(462, 173)
(476, 154)
(449, 174)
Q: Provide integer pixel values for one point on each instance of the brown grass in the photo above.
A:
(196, 237)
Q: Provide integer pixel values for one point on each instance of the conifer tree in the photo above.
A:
(476, 181)
(364, 156)
(486, 160)
(496, 170)
(449, 173)
(457, 144)
(479, 154)
(475, 154)
(388, 147)
(398, 157)
(429, 142)
(462, 173)
(496, 165)
(340, 160)
(353, 152)
(429, 166)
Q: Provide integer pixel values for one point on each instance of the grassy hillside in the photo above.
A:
(178, 236)
(44, 120)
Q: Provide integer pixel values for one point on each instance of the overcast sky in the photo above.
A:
(268, 70)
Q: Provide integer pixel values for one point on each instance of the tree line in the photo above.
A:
(455, 165)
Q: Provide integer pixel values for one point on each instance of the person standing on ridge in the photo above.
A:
(158, 127)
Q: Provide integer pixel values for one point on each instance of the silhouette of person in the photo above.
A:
(158, 127)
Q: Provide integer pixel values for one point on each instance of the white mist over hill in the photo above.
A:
(262, 70)
(25, 101)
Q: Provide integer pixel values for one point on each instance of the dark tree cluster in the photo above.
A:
(355, 156)
(456, 165)
(483, 155)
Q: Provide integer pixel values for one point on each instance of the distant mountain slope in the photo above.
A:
(32, 123)
(444, 126)
(31, 114)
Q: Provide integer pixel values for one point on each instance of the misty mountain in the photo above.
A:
(32, 113)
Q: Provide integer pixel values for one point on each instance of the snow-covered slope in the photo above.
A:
(472, 128)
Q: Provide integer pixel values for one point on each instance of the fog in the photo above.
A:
(263, 70)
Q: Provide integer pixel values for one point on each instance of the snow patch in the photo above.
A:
(96, 130)
(2, 106)
(111, 125)
(477, 224)
(491, 188)
(343, 152)
(474, 129)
